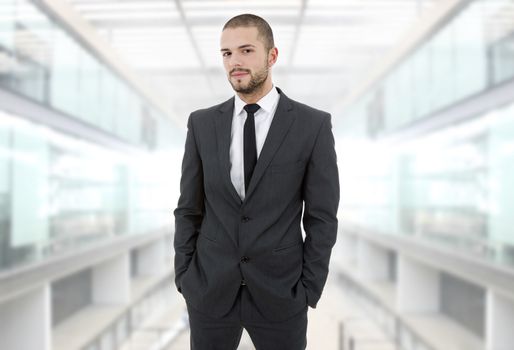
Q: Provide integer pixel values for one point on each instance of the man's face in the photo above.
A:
(245, 59)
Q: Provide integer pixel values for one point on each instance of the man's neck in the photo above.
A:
(257, 95)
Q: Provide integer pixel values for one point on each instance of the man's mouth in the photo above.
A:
(239, 74)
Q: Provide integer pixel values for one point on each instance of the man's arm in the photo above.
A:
(321, 197)
(190, 208)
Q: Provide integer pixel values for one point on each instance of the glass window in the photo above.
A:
(501, 171)
(29, 186)
(31, 50)
(128, 123)
(470, 52)
(453, 187)
(499, 35)
(502, 56)
(443, 68)
(39, 59)
(7, 12)
(391, 102)
(64, 75)
(58, 193)
(135, 111)
(124, 115)
(404, 87)
(34, 34)
(421, 82)
(88, 88)
(107, 99)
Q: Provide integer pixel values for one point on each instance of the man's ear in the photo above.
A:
(272, 56)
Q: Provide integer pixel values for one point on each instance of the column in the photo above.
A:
(418, 286)
(151, 259)
(372, 261)
(111, 281)
(25, 322)
(499, 322)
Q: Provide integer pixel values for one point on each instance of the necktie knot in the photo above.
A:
(252, 108)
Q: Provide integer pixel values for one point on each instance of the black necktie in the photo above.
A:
(250, 146)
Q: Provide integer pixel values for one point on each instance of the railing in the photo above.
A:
(156, 338)
(399, 335)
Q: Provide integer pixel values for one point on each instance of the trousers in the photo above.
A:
(208, 333)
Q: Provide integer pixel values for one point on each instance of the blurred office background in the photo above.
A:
(94, 98)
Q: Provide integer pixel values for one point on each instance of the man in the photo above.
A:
(250, 166)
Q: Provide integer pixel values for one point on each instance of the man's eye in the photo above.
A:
(225, 54)
(247, 50)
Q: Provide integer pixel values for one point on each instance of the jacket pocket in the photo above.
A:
(209, 230)
(207, 237)
(287, 247)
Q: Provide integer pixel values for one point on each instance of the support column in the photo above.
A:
(151, 259)
(348, 248)
(418, 286)
(372, 261)
(25, 322)
(111, 281)
(499, 321)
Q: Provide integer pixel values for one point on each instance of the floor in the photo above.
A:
(334, 312)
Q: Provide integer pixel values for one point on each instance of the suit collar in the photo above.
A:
(267, 102)
(228, 105)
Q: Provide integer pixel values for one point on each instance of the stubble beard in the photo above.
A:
(256, 82)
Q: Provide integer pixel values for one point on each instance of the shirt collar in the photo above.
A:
(267, 102)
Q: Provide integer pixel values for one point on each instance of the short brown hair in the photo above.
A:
(249, 20)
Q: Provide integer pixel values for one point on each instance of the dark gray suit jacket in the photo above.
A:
(221, 240)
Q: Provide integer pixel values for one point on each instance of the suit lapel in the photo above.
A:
(284, 117)
(223, 124)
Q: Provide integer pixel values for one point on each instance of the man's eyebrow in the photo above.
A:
(239, 47)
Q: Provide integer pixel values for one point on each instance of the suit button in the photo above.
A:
(245, 259)
(245, 219)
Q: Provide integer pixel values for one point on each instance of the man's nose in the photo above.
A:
(235, 60)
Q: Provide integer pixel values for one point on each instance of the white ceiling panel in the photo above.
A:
(325, 46)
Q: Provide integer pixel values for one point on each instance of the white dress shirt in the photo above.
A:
(263, 118)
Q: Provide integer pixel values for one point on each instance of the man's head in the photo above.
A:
(248, 52)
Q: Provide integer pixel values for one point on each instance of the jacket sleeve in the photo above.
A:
(321, 200)
(190, 208)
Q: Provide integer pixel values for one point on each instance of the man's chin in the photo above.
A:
(241, 88)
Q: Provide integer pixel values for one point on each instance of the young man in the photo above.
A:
(251, 164)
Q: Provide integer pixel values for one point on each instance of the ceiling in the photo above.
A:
(325, 46)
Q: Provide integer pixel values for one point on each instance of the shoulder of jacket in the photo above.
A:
(308, 110)
(310, 113)
(208, 112)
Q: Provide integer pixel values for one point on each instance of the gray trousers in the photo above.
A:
(224, 333)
